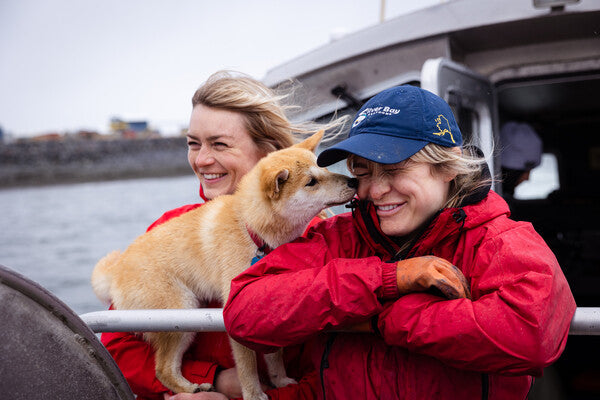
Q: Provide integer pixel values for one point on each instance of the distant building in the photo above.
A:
(46, 137)
(117, 125)
(131, 129)
(1, 135)
(87, 135)
(138, 126)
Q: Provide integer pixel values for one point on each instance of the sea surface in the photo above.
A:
(54, 235)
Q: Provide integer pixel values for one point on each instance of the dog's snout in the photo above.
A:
(353, 183)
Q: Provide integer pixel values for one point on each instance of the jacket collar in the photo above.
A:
(201, 193)
(451, 223)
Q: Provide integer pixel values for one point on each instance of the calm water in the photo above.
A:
(54, 235)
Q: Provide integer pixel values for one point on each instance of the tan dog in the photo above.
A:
(193, 258)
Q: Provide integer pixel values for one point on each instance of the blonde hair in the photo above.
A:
(467, 166)
(263, 109)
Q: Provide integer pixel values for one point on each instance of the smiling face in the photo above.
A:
(220, 149)
(405, 195)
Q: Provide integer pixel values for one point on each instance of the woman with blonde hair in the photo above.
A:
(426, 290)
(235, 121)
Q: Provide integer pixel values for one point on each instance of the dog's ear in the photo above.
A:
(274, 179)
(312, 142)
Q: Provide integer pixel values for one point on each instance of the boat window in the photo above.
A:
(468, 121)
(475, 123)
(543, 180)
(475, 126)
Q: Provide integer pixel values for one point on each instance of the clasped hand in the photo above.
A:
(419, 274)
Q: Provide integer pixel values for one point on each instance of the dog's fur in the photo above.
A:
(193, 258)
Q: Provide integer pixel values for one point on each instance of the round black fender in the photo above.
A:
(47, 351)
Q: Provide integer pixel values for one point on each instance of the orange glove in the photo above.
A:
(421, 273)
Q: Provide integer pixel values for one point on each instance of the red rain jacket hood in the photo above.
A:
(425, 347)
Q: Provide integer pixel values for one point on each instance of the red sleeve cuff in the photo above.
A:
(390, 285)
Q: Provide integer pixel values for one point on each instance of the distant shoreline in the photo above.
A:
(75, 161)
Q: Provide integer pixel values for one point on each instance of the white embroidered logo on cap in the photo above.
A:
(359, 119)
(375, 110)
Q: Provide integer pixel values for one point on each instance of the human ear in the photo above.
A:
(449, 177)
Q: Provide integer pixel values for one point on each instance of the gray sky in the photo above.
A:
(67, 65)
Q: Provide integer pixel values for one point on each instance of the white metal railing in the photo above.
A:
(194, 320)
(586, 320)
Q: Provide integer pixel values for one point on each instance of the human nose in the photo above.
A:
(203, 157)
(374, 188)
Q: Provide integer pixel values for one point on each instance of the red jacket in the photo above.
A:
(209, 352)
(426, 347)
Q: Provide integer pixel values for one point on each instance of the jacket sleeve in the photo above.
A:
(518, 320)
(310, 288)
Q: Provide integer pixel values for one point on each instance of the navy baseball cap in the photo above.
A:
(395, 124)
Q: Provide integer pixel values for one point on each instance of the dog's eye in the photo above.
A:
(312, 182)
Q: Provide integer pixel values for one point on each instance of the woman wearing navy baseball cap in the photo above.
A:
(426, 290)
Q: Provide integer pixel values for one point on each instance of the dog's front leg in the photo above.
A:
(245, 362)
(276, 369)
(169, 348)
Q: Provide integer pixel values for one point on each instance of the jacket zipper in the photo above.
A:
(485, 386)
(325, 361)
(530, 387)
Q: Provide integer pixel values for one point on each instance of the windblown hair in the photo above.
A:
(262, 108)
(468, 167)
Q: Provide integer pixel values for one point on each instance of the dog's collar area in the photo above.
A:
(262, 248)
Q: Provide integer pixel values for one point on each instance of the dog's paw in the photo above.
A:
(283, 381)
(254, 395)
(205, 387)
